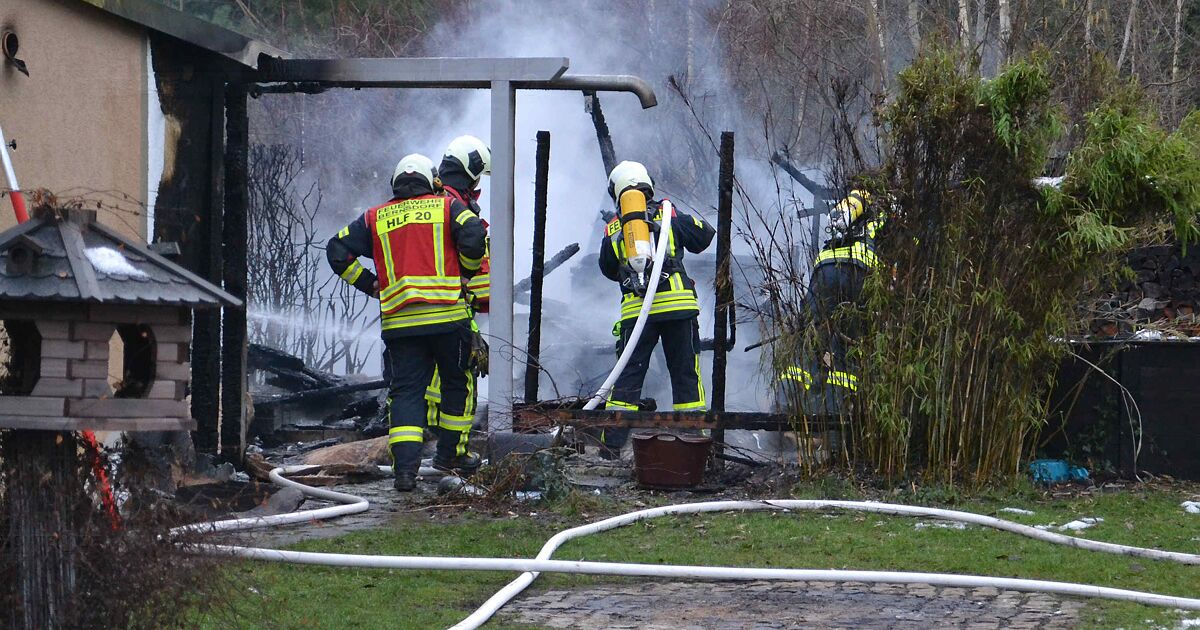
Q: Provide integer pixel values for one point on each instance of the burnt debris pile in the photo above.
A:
(295, 403)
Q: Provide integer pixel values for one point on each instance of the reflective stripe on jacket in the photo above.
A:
(419, 268)
(480, 285)
(859, 250)
(676, 294)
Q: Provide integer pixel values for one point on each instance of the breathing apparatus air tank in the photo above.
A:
(638, 249)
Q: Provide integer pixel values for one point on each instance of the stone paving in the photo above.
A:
(776, 605)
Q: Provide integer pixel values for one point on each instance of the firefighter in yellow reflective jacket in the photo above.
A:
(423, 246)
(673, 314)
(837, 277)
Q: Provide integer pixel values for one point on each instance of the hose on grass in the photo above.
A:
(351, 504)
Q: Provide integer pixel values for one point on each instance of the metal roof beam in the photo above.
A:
(430, 72)
(528, 73)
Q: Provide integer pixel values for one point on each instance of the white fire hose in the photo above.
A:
(351, 504)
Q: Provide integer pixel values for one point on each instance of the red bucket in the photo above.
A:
(670, 461)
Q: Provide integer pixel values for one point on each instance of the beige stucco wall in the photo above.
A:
(79, 119)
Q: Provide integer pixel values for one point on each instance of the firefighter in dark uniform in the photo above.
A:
(423, 246)
(837, 277)
(466, 160)
(674, 312)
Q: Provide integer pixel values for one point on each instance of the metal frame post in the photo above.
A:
(500, 386)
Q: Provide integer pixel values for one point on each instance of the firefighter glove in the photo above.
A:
(478, 361)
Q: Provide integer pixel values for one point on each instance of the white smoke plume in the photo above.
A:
(350, 141)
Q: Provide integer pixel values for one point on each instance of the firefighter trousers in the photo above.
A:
(681, 345)
(452, 438)
(824, 376)
(411, 363)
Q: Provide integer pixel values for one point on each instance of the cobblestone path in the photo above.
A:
(777, 605)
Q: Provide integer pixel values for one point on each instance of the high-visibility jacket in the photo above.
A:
(859, 247)
(676, 294)
(423, 247)
(480, 285)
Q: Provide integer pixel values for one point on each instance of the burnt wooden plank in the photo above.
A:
(531, 418)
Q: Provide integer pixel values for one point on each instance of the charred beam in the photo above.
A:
(608, 155)
(533, 418)
(324, 392)
(537, 274)
(723, 280)
(523, 287)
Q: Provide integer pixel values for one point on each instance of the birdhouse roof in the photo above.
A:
(66, 255)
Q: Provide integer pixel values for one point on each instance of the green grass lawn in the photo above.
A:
(282, 596)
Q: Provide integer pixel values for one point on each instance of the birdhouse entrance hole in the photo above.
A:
(131, 358)
(20, 357)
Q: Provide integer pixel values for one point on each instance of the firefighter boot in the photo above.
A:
(406, 460)
(464, 465)
(452, 454)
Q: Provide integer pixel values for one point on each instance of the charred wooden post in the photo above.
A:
(234, 239)
(607, 154)
(723, 280)
(209, 263)
(536, 276)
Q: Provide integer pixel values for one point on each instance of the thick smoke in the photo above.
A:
(351, 139)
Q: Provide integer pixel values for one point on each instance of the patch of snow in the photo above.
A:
(111, 262)
(1017, 511)
(940, 525)
(1082, 523)
(1189, 623)
(1148, 335)
(1191, 507)
(1051, 182)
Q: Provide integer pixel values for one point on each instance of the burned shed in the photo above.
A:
(98, 328)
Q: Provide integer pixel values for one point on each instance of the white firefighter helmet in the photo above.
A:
(628, 174)
(416, 164)
(474, 156)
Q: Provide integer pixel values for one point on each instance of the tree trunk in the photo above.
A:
(1089, 11)
(914, 25)
(1178, 39)
(981, 22)
(691, 45)
(1128, 34)
(964, 22)
(1005, 15)
(874, 23)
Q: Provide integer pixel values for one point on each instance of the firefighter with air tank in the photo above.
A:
(625, 258)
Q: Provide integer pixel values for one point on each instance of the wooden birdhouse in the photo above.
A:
(96, 328)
